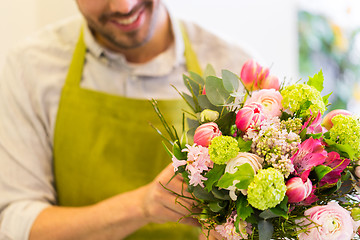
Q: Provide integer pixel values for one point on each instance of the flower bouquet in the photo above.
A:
(261, 163)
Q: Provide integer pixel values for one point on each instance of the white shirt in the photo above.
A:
(30, 88)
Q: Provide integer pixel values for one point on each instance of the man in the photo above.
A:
(78, 158)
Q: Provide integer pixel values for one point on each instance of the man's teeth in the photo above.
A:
(129, 20)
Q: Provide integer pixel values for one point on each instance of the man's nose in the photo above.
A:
(122, 6)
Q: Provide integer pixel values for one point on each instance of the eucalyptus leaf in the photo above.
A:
(268, 214)
(197, 78)
(191, 85)
(230, 80)
(204, 103)
(203, 194)
(216, 92)
(209, 71)
(189, 100)
(217, 206)
(221, 194)
(266, 230)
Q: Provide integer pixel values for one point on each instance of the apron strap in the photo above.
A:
(192, 63)
(75, 71)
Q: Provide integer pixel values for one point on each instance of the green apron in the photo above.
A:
(104, 145)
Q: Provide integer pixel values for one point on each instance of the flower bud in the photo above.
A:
(205, 133)
(327, 123)
(249, 116)
(271, 82)
(297, 190)
(251, 72)
(209, 115)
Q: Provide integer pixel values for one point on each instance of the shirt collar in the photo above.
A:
(161, 65)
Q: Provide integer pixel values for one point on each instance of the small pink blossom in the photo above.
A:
(329, 221)
(297, 190)
(205, 133)
(198, 161)
(311, 153)
(250, 116)
(270, 99)
(228, 230)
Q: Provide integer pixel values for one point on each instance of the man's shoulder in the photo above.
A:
(58, 38)
(219, 51)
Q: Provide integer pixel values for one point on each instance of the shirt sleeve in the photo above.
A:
(26, 179)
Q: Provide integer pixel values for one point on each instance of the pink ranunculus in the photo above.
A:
(270, 99)
(311, 153)
(337, 164)
(250, 116)
(297, 190)
(329, 221)
(252, 74)
(243, 157)
(205, 133)
(271, 82)
(327, 123)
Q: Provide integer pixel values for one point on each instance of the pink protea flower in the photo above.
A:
(297, 189)
(311, 153)
(337, 164)
(205, 133)
(250, 116)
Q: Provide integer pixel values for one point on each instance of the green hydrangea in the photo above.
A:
(300, 98)
(222, 149)
(346, 130)
(267, 189)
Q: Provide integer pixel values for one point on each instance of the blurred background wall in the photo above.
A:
(294, 37)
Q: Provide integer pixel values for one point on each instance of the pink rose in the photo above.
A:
(327, 123)
(205, 133)
(297, 190)
(270, 99)
(331, 222)
(250, 116)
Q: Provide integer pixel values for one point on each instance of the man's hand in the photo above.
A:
(161, 205)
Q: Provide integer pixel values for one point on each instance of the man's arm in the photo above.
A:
(116, 217)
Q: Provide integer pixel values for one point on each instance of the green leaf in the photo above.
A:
(321, 171)
(266, 230)
(217, 206)
(245, 146)
(343, 149)
(326, 99)
(178, 153)
(268, 214)
(230, 80)
(221, 194)
(204, 103)
(317, 81)
(225, 122)
(189, 100)
(314, 136)
(216, 92)
(209, 71)
(281, 209)
(243, 208)
(193, 86)
(245, 175)
(214, 175)
(197, 78)
(202, 194)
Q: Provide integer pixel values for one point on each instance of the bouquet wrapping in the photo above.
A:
(262, 161)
